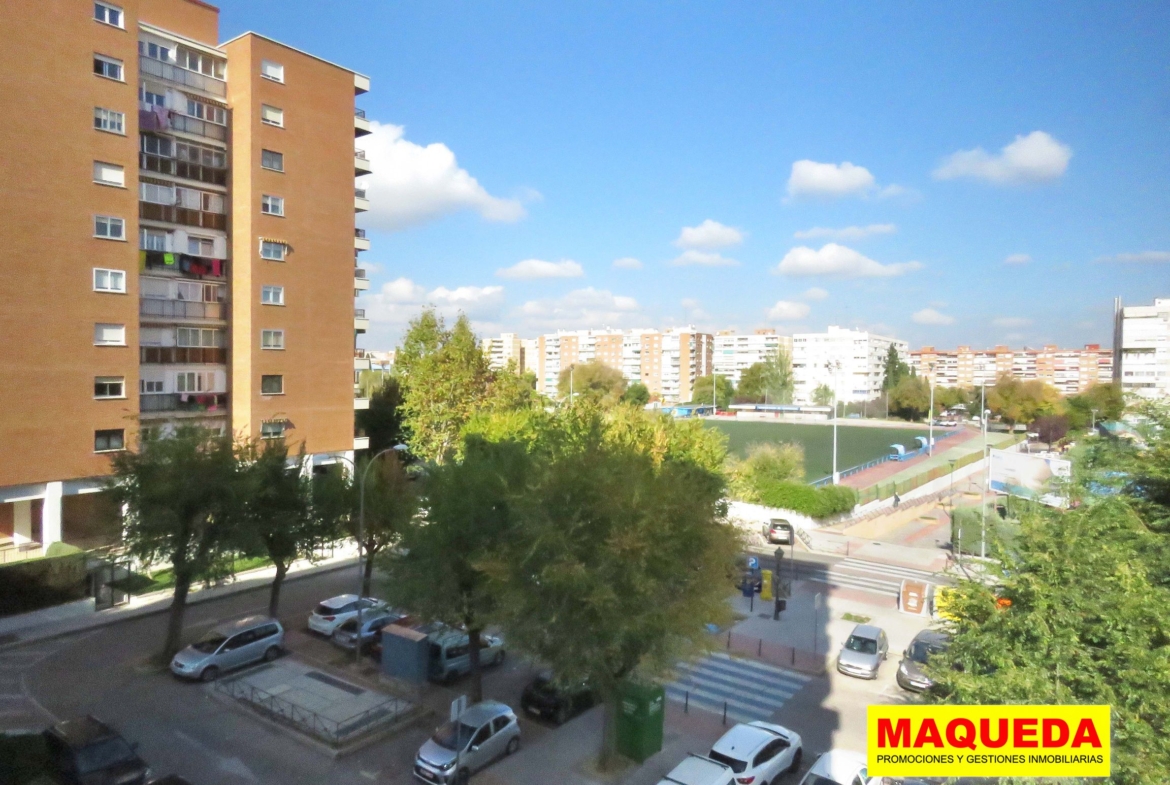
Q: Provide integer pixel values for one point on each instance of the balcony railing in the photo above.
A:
(193, 125)
(191, 171)
(182, 76)
(182, 215)
(180, 309)
(359, 233)
(360, 154)
(182, 355)
(360, 193)
(359, 113)
(359, 313)
(182, 402)
(358, 272)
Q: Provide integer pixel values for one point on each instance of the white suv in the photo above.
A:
(335, 611)
(759, 752)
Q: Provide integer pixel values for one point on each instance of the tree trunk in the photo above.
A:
(367, 572)
(277, 582)
(178, 607)
(608, 756)
(474, 642)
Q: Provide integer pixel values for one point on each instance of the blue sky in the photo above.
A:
(522, 148)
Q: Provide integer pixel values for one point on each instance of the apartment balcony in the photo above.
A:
(182, 76)
(182, 355)
(170, 404)
(361, 126)
(360, 202)
(361, 403)
(360, 282)
(361, 164)
(360, 322)
(361, 84)
(177, 310)
(148, 162)
(150, 211)
(360, 241)
(360, 361)
(193, 125)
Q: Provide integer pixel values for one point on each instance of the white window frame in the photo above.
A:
(101, 13)
(272, 71)
(101, 327)
(272, 168)
(145, 232)
(121, 77)
(109, 380)
(151, 386)
(197, 250)
(110, 222)
(115, 280)
(267, 244)
(272, 295)
(272, 375)
(109, 121)
(272, 205)
(272, 115)
(265, 433)
(101, 168)
(272, 340)
(109, 430)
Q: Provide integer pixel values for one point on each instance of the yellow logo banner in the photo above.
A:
(988, 741)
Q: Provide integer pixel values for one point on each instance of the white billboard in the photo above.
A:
(1030, 476)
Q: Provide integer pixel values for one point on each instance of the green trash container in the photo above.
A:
(640, 718)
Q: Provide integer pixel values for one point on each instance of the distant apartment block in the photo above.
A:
(736, 352)
(1068, 370)
(1141, 348)
(850, 362)
(508, 348)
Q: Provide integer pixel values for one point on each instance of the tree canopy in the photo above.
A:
(910, 398)
(637, 394)
(592, 381)
(770, 381)
(765, 464)
(894, 370)
(822, 395)
(1015, 401)
(701, 391)
(1105, 399)
(383, 420)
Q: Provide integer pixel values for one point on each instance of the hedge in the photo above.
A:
(820, 502)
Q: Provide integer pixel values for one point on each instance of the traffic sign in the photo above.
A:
(753, 563)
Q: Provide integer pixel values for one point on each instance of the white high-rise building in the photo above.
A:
(736, 352)
(849, 361)
(500, 351)
(1141, 348)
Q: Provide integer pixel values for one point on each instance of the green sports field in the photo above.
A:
(855, 444)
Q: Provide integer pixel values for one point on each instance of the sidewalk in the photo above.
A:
(79, 616)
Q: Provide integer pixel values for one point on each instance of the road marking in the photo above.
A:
(750, 690)
(29, 696)
(370, 775)
(227, 765)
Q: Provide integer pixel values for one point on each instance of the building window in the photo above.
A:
(109, 387)
(109, 441)
(107, 14)
(194, 381)
(109, 228)
(152, 239)
(196, 336)
(107, 67)
(272, 339)
(109, 174)
(154, 51)
(150, 385)
(208, 112)
(272, 385)
(273, 249)
(272, 160)
(271, 70)
(272, 430)
(109, 280)
(272, 205)
(109, 120)
(200, 246)
(109, 334)
(272, 295)
(271, 115)
(197, 61)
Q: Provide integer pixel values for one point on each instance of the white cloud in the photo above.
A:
(401, 299)
(931, 316)
(709, 235)
(627, 263)
(581, 309)
(845, 232)
(1017, 258)
(701, 259)
(1035, 158)
(810, 178)
(533, 269)
(1011, 321)
(838, 260)
(1143, 256)
(788, 311)
(412, 184)
(815, 293)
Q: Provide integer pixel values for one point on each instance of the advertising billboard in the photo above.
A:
(1030, 476)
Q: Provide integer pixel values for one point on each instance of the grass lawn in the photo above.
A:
(165, 579)
(855, 444)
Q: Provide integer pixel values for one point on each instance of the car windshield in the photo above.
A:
(922, 652)
(349, 626)
(210, 642)
(453, 735)
(329, 610)
(863, 645)
(737, 766)
(103, 755)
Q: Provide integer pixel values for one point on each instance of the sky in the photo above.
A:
(949, 174)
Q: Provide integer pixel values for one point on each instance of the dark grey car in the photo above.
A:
(926, 644)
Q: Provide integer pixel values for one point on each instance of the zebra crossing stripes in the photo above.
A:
(889, 569)
(877, 577)
(751, 690)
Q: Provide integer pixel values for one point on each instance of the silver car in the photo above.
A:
(373, 621)
(483, 732)
(864, 652)
(229, 646)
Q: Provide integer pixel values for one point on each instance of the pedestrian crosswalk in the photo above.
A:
(19, 711)
(870, 576)
(751, 690)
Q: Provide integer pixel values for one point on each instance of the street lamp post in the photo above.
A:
(1093, 421)
(951, 493)
(834, 367)
(983, 494)
(930, 416)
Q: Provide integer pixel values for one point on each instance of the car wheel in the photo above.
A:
(796, 759)
(272, 653)
(210, 673)
(513, 745)
(462, 777)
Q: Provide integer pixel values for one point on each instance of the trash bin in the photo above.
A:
(640, 718)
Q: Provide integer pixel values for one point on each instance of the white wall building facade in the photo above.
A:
(736, 352)
(1141, 348)
(849, 361)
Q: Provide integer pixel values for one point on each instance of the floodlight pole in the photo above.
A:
(983, 495)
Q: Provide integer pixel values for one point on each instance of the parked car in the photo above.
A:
(697, 770)
(346, 635)
(450, 655)
(927, 643)
(335, 611)
(840, 767)
(170, 779)
(546, 698)
(86, 751)
(483, 732)
(229, 646)
(758, 751)
(864, 652)
(778, 531)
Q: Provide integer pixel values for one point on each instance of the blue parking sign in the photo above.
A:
(753, 563)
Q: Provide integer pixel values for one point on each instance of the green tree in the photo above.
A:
(753, 384)
(779, 381)
(510, 389)
(764, 464)
(1051, 428)
(620, 556)
(1105, 399)
(910, 399)
(701, 391)
(894, 370)
(382, 422)
(592, 381)
(181, 497)
(1016, 401)
(392, 502)
(822, 395)
(637, 394)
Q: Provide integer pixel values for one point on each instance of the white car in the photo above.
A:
(697, 770)
(335, 611)
(758, 752)
(840, 767)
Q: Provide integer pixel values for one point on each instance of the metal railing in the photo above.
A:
(182, 76)
(174, 402)
(359, 313)
(361, 233)
(182, 215)
(182, 355)
(359, 113)
(149, 162)
(180, 309)
(360, 154)
(359, 272)
(193, 125)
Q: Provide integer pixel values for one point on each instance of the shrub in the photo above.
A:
(61, 549)
(813, 502)
(765, 464)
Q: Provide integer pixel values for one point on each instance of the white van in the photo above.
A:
(698, 770)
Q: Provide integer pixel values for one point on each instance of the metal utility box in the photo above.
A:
(641, 712)
(405, 654)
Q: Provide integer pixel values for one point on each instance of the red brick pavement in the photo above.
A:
(883, 471)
